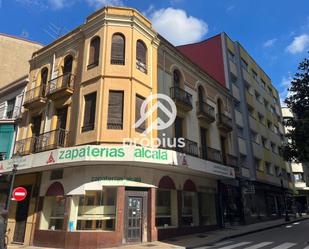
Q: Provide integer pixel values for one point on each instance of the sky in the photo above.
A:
(275, 33)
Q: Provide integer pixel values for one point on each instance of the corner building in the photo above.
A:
(85, 188)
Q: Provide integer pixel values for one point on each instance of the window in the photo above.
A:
(89, 112)
(269, 169)
(94, 52)
(266, 104)
(44, 78)
(176, 78)
(276, 129)
(264, 142)
(115, 110)
(258, 164)
(254, 137)
(272, 109)
(56, 174)
(68, 64)
(10, 108)
(243, 161)
(273, 148)
(244, 64)
(240, 131)
(277, 171)
(263, 84)
(269, 125)
(261, 118)
(97, 210)
(257, 96)
(299, 177)
(189, 208)
(163, 208)
(231, 56)
(251, 111)
(138, 104)
(270, 91)
(118, 49)
(254, 75)
(141, 56)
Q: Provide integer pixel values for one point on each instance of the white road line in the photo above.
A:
(259, 245)
(285, 246)
(307, 247)
(215, 245)
(235, 245)
(288, 226)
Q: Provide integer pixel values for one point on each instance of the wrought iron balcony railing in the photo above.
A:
(60, 83)
(214, 155)
(190, 148)
(47, 141)
(115, 61)
(182, 97)
(231, 160)
(224, 122)
(205, 111)
(34, 94)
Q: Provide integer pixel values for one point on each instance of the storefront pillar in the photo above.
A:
(120, 214)
(152, 230)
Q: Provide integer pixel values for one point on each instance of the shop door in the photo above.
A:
(134, 219)
(21, 217)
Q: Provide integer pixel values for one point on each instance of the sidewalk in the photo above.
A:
(201, 239)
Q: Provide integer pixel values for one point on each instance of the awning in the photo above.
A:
(99, 185)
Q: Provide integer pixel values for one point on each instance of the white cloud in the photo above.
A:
(285, 84)
(299, 44)
(269, 43)
(149, 10)
(177, 27)
(230, 8)
(60, 4)
(100, 3)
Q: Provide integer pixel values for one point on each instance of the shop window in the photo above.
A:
(53, 208)
(138, 104)
(208, 209)
(115, 110)
(97, 210)
(189, 215)
(89, 112)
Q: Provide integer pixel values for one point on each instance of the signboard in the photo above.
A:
(19, 194)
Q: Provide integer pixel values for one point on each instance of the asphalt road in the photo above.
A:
(293, 236)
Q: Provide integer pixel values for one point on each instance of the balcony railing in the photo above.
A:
(231, 160)
(34, 94)
(205, 111)
(51, 140)
(224, 122)
(190, 148)
(46, 141)
(214, 155)
(61, 82)
(181, 97)
(115, 61)
(9, 113)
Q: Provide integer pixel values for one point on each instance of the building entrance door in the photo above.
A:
(136, 216)
(21, 217)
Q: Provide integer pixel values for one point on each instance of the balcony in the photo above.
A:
(190, 148)
(46, 141)
(231, 161)
(214, 155)
(224, 122)
(35, 97)
(10, 112)
(205, 112)
(61, 86)
(182, 98)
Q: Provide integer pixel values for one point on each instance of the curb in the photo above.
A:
(246, 233)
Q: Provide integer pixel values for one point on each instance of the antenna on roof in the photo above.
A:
(54, 31)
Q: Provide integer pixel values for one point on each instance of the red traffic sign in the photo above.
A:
(19, 194)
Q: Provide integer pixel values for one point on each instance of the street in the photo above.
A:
(294, 236)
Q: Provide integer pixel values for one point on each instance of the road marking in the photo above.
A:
(235, 245)
(296, 223)
(288, 226)
(285, 246)
(215, 245)
(307, 247)
(259, 245)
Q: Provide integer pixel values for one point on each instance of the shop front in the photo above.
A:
(95, 202)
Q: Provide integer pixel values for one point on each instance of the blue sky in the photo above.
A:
(275, 33)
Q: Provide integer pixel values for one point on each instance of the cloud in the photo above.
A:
(284, 85)
(33, 4)
(100, 3)
(177, 27)
(299, 44)
(230, 8)
(149, 10)
(269, 43)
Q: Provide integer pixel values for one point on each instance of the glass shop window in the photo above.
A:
(208, 209)
(190, 212)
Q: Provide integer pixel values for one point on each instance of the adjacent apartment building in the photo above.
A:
(86, 188)
(265, 178)
(301, 175)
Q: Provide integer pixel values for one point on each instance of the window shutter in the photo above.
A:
(141, 52)
(2, 110)
(94, 52)
(115, 110)
(118, 49)
(90, 109)
(138, 105)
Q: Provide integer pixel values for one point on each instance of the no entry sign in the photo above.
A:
(19, 194)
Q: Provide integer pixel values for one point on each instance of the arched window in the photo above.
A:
(141, 56)
(201, 94)
(118, 49)
(67, 65)
(44, 77)
(94, 52)
(176, 78)
(166, 183)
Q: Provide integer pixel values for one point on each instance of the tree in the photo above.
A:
(297, 147)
